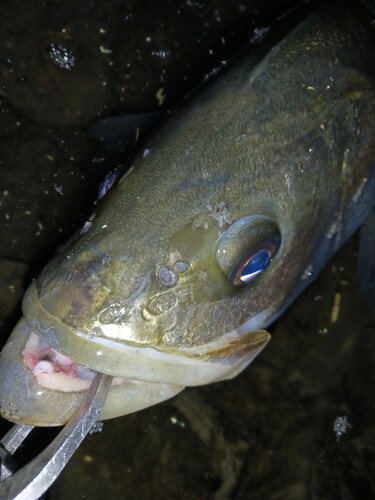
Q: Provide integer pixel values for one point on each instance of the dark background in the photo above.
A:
(269, 433)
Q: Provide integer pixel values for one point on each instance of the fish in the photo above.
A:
(227, 213)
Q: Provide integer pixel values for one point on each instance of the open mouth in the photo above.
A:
(40, 386)
(43, 383)
(55, 371)
(52, 369)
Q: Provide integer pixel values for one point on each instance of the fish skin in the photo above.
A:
(287, 144)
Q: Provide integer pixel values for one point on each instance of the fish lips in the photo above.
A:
(24, 401)
(149, 375)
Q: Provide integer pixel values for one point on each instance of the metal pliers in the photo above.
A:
(35, 478)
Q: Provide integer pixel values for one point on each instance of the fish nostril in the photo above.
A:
(181, 267)
(167, 277)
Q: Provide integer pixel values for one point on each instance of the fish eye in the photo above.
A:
(247, 248)
(250, 267)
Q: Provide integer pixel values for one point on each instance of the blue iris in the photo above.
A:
(255, 266)
(251, 266)
(254, 263)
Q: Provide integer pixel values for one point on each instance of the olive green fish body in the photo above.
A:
(230, 211)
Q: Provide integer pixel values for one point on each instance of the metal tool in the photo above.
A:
(35, 478)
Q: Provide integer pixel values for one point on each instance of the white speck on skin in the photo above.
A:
(307, 273)
(218, 212)
(334, 228)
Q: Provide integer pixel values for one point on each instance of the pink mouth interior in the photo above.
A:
(54, 370)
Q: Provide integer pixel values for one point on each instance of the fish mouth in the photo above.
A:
(43, 380)
(39, 386)
(55, 371)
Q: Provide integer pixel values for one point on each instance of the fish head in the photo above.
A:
(161, 314)
(176, 292)
(168, 289)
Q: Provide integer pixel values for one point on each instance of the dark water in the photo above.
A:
(300, 421)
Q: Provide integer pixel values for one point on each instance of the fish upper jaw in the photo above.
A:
(219, 359)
